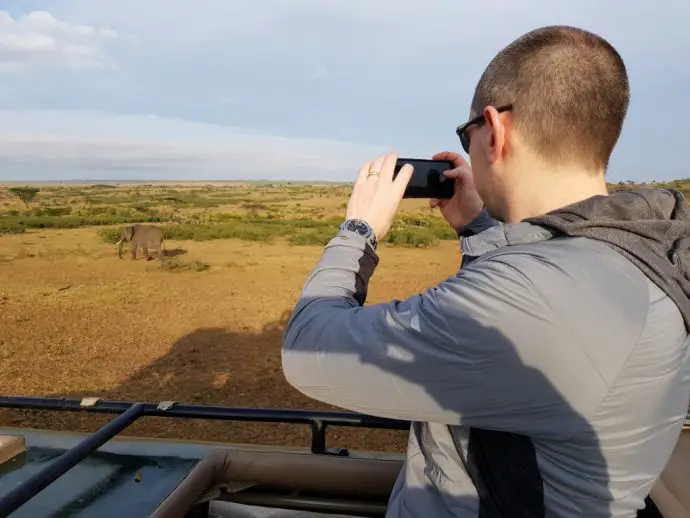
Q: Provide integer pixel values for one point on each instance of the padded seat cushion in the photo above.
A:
(11, 446)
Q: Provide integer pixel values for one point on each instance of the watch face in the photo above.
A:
(361, 228)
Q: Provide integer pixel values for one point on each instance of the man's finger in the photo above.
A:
(403, 178)
(451, 157)
(377, 167)
(388, 166)
(458, 172)
(362, 175)
(445, 155)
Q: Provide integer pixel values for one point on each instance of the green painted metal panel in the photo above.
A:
(104, 485)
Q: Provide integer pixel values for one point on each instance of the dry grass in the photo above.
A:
(78, 321)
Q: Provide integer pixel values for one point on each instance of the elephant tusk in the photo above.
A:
(120, 241)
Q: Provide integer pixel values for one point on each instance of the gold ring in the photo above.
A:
(373, 173)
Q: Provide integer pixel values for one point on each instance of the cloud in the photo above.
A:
(91, 144)
(392, 74)
(38, 39)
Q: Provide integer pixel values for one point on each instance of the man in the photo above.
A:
(551, 376)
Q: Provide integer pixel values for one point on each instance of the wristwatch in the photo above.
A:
(361, 227)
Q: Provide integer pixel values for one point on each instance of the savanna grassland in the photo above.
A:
(202, 326)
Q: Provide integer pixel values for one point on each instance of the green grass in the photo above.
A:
(18, 224)
(260, 212)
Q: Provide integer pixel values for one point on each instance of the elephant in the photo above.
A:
(145, 236)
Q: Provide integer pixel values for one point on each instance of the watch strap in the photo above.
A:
(361, 227)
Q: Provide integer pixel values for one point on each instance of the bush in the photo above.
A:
(442, 230)
(411, 236)
(55, 211)
(7, 227)
(105, 211)
(254, 206)
(319, 237)
(237, 230)
(109, 235)
(434, 225)
(175, 265)
(73, 221)
(202, 201)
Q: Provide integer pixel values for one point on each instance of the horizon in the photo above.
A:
(115, 182)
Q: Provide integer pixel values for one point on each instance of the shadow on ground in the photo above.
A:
(217, 367)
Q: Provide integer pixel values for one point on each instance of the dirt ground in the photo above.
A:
(75, 320)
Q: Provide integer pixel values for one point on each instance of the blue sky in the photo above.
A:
(297, 89)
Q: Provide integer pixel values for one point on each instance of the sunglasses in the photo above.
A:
(462, 129)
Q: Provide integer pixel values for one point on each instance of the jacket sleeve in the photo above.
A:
(482, 222)
(476, 350)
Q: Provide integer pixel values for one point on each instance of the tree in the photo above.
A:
(26, 194)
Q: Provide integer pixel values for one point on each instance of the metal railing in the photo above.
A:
(129, 412)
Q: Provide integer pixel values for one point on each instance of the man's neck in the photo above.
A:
(556, 190)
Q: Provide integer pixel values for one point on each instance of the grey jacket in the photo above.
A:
(550, 377)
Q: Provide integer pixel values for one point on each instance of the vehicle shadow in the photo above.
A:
(215, 366)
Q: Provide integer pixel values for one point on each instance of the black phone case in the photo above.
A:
(428, 180)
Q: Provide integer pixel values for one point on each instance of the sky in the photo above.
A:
(297, 89)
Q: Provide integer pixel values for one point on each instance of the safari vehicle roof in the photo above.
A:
(58, 474)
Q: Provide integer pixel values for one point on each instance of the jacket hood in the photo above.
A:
(650, 227)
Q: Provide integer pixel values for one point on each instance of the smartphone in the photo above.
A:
(428, 180)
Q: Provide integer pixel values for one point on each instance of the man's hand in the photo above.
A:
(376, 196)
(466, 204)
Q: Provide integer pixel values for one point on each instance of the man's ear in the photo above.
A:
(496, 136)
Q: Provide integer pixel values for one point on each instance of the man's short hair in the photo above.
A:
(569, 90)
